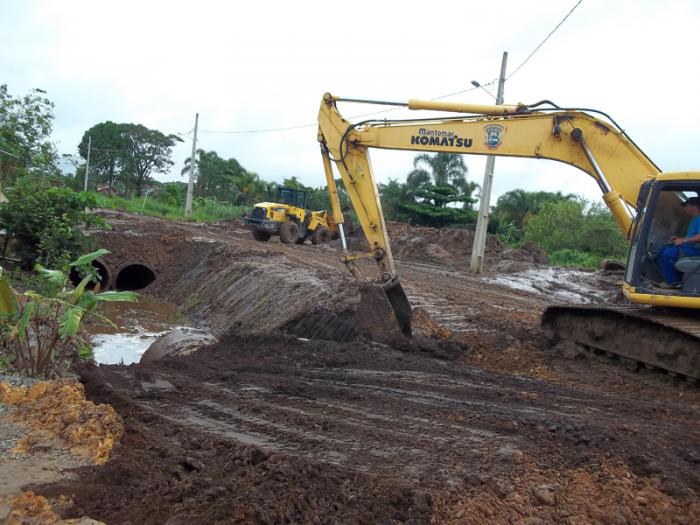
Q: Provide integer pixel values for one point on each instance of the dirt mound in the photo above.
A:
(58, 409)
(449, 246)
(610, 493)
(29, 509)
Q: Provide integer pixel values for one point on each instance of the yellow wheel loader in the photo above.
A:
(289, 218)
(660, 329)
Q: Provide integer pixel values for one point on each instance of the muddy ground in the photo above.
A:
(272, 426)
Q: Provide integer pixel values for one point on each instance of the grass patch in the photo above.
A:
(203, 210)
(577, 258)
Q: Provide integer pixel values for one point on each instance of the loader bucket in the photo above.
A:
(384, 313)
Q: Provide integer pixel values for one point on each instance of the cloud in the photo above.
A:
(266, 64)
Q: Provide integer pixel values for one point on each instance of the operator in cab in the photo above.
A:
(688, 246)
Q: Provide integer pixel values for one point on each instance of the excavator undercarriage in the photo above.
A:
(635, 335)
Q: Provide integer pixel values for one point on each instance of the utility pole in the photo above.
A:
(190, 183)
(87, 164)
(482, 221)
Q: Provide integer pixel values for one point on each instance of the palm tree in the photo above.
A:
(518, 206)
(443, 168)
(249, 185)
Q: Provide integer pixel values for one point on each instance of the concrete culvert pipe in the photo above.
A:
(134, 276)
(102, 270)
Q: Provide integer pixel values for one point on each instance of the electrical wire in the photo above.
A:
(460, 118)
(388, 110)
(315, 124)
(8, 153)
(545, 40)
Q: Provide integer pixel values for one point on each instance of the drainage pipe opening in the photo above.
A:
(134, 277)
(102, 271)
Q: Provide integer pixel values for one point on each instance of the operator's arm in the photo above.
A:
(683, 240)
(693, 235)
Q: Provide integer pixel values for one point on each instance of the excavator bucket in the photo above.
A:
(384, 314)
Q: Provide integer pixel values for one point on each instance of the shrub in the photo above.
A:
(45, 222)
(41, 333)
(576, 258)
(573, 234)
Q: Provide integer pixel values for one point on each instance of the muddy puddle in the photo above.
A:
(137, 325)
(559, 284)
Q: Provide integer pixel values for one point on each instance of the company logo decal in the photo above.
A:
(436, 137)
(494, 134)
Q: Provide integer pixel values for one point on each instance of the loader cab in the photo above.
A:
(292, 197)
(660, 216)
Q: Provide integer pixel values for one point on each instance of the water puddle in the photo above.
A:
(560, 284)
(137, 326)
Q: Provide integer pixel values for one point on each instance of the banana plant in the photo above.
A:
(42, 331)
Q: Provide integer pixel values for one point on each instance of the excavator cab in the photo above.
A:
(660, 215)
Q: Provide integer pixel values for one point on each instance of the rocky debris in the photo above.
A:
(545, 495)
(178, 342)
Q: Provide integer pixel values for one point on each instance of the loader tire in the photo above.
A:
(260, 235)
(321, 235)
(289, 232)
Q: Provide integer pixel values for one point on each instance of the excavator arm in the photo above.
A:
(595, 146)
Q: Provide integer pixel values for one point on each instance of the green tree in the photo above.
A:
(393, 194)
(435, 185)
(173, 193)
(147, 151)
(515, 208)
(428, 205)
(294, 183)
(557, 226)
(250, 188)
(46, 222)
(25, 129)
(107, 152)
(574, 232)
(442, 168)
(215, 176)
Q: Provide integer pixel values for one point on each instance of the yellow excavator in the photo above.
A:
(660, 329)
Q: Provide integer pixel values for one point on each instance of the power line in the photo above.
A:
(545, 39)
(264, 130)
(315, 124)
(8, 153)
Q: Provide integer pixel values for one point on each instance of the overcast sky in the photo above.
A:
(266, 64)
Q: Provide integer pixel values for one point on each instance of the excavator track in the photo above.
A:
(661, 339)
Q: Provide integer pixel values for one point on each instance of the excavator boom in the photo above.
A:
(586, 139)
